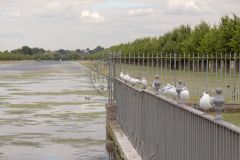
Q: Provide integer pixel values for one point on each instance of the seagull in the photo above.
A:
(134, 81)
(205, 102)
(184, 95)
(126, 77)
(121, 75)
(144, 83)
(165, 89)
(169, 90)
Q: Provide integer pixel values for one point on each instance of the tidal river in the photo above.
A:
(45, 115)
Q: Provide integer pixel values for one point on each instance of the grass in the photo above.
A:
(233, 118)
(197, 82)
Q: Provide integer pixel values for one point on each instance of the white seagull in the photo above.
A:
(205, 101)
(121, 75)
(184, 95)
(134, 81)
(169, 90)
(144, 83)
(127, 78)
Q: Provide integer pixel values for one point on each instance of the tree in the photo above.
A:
(235, 41)
(227, 29)
(62, 51)
(38, 50)
(26, 50)
(193, 42)
(209, 41)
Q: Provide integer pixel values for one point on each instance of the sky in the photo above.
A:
(80, 24)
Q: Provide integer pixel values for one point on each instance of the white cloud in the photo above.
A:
(186, 6)
(57, 8)
(140, 12)
(54, 24)
(16, 14)
(92, 17)
(182, 3)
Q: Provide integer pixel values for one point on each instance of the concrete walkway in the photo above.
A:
(126, 149)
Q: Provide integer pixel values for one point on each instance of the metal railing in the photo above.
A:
(199, 72)
(161, 129)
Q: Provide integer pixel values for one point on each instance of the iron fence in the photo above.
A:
(161, 129)
(198, 72)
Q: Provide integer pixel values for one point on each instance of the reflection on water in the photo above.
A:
(44, 115)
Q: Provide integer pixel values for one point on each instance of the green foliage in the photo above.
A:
(235, 41)
(27, 53)
(209, 41)
(203, 39)
(12, 56)
(226, 32)
(193, 42)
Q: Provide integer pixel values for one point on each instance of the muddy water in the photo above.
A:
(44, 114)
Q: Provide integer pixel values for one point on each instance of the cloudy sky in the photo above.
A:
(72, 24)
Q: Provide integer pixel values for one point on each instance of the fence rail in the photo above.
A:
(164, 130)
(198, 72)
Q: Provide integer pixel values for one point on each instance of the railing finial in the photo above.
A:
(218, 102)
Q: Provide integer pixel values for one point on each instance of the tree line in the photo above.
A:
(203, 39)
(27, 53)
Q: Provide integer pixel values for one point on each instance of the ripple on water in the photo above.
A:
(44, 115)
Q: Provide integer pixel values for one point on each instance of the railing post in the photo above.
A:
(218, 102)
(110, 72)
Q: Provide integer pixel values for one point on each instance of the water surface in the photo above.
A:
(44, 115)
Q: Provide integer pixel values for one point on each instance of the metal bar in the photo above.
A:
(207, 73)
(216, 65)
(234, 83)
(148, 72)
(138, 61)
(170, 64)
(129, 66)
(184, 67)
(167, 131)
(134, 69)
(152, 66)
(161, 65)
(157, 65)
(175, 68)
